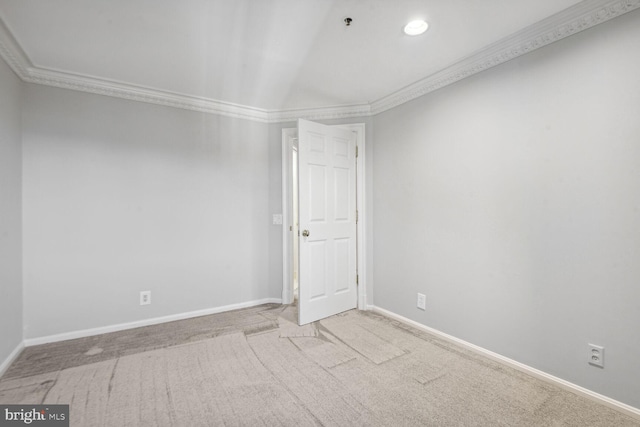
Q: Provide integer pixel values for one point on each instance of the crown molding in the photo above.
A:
(579, 17)
(572, 20)
(323, 113)
(143, 94)
(12, 53)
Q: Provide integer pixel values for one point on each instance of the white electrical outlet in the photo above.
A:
(596, 355)
(145, 297)
(422, 301)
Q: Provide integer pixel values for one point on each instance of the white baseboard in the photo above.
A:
(566, 385)
(11, 358)
(146, 322)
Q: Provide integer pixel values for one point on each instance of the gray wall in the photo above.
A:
(10, 212)
(121, 197)
(512, 200)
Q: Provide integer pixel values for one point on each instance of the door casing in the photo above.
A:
(289, 138)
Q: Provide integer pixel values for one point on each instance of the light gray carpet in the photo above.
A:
(256, 367)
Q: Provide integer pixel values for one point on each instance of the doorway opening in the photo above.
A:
(295, 223)
(291, 233)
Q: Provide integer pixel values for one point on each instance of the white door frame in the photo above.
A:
(288, 137)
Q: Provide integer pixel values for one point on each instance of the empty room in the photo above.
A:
(320, 212)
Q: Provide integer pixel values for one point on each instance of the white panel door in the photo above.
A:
(327, 215)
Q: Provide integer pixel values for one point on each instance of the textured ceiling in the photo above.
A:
(264, 54)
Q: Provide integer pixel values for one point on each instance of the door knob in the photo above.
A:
(305, 233)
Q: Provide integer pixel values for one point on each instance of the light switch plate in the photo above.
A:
(277, 219)
(422, 301)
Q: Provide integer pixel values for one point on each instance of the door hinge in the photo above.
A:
(357, 279)
(357, 215)
(356, 151)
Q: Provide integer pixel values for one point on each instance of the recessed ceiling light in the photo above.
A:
(415, 28)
